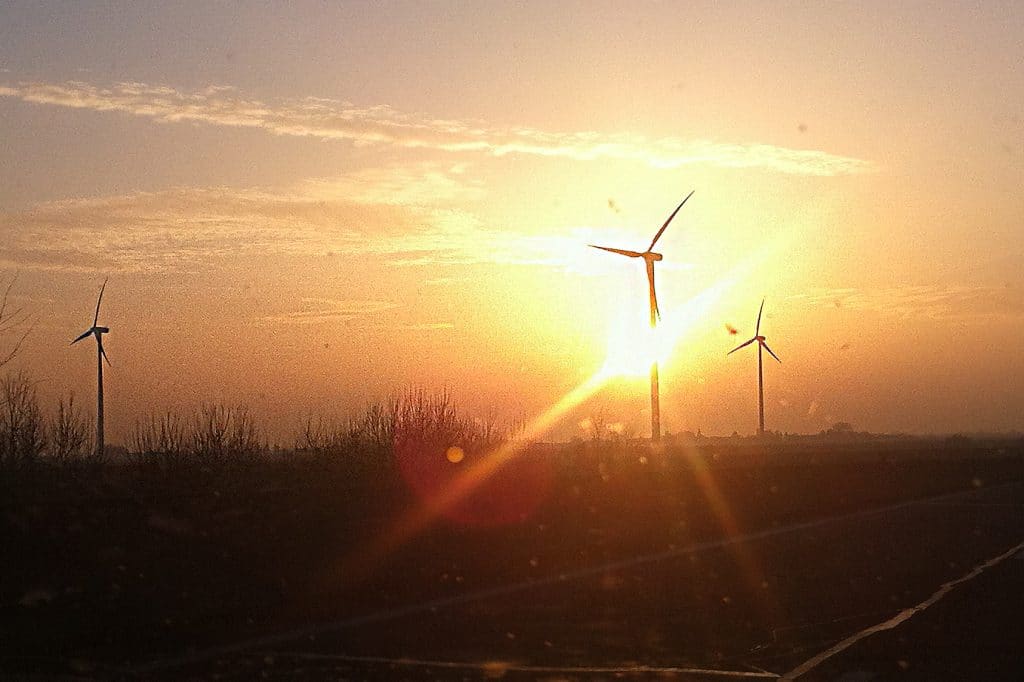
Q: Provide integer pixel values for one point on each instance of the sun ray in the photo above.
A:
(429, 509)
(683, 319)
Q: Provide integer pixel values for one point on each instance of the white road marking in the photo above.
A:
(900, 617)
(502, 666)
(978, 505)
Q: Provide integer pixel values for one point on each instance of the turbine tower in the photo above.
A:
(760, 370)
(98, 332)
(650, 257)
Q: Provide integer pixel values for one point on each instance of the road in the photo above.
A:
(929, 589)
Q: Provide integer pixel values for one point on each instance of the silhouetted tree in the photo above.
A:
(69, 433)
(163, 436)
(13, 321)
(22, 428)
(219, 432)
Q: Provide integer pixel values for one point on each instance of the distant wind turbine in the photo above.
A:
(98, 332)
(760, 371)
(650, 257)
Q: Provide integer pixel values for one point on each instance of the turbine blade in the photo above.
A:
(84, 335)
(757, 331)
(99, 300)
(653, 291)
(658, 236)
(621, 252)
(770, 352)
(104, 353)
(747, 343)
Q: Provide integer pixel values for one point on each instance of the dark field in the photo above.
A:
(585, 563)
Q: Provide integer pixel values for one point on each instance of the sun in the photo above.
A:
(633, 346)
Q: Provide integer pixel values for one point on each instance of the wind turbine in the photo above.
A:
(760, 371)
(98, 332)
(650, 257)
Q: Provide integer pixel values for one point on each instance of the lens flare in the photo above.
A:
(442, 499)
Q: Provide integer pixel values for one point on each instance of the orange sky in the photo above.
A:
(306, 208)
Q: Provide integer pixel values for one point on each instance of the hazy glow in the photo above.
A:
(633, 345)
(332, 204)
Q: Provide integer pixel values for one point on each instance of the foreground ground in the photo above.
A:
(589, 564)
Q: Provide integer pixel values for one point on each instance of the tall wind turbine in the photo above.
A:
(650, 257)
(760, 370)
(98, 332)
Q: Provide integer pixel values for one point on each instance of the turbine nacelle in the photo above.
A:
(646, 255)
(92, 331)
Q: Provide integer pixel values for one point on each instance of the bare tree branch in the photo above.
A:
(11, 320)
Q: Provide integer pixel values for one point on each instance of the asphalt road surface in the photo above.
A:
(929, 589)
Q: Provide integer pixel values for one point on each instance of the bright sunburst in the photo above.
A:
(633, 346)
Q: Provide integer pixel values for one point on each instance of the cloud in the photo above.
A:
(411, 185)
(376, 125)
(402, 216)
(445, 281)
(429, 326)
(184, 228)
(932, 301)
(169, 230)
(319, 310)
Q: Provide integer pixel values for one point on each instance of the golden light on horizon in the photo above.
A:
(384, 226)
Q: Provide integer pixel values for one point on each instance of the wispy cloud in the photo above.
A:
(319, 310)
(445, 281)
(312, 311)
(933, 301)
(169, 230)
(429, 326)
(384, 125)
(400, 216)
